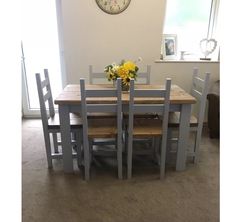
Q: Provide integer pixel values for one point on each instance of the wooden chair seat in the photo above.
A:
(54, 122)
(101, 115)
(102, 128)
(142, 115)
(174, 120)
(147, 128)
(97, 115)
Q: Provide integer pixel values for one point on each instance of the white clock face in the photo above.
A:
(113, 6)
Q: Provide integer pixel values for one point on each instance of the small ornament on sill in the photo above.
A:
(207, 47)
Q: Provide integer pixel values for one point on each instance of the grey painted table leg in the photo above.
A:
(65, 138)
(183, 136)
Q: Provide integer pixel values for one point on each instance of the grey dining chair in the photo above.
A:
(199, 90)
(51, 123)
(100, 127)
(148, 128)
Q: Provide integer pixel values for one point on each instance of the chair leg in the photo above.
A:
(86, 157)
(126, 142)
(74, 137)
(163, 158)
(48, 149)
(156, 146)
(55, 142)
(119, 157)
(197, 145)
(129, 158)
(86, 164)
(78, 145)
(90, 151)
(169, 145)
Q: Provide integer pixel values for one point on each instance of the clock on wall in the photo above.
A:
(113, 6)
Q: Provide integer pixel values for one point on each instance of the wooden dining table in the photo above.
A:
(69, 101)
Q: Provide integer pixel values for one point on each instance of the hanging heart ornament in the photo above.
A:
(208, 46)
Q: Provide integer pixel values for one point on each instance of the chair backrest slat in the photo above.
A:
(200, 87)
(42, 104)
(95, 75)
(44, 83)
(45, 97)
(196, 94)
(145, 76)
(50, 99)
(197, 81)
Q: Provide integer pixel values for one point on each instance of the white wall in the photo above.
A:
(181, 72)
(94, 37)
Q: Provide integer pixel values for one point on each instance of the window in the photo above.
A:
(40, 50)
(191, 21)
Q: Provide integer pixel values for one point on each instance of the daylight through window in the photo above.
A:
(192, 21)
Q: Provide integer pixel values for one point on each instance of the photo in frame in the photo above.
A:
(169, 46)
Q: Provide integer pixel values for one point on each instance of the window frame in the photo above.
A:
(212, 33)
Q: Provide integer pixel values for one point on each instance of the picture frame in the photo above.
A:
(169, 46)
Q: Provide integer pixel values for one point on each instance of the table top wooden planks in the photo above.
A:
(71, 95)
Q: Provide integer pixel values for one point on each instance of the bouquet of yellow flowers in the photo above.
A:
(126, 70)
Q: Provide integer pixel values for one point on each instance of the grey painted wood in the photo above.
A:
(55, 142)
(130, 130)
(185, 114)
(115, 108)
(78, 139)
(165, 127)
(199, 90)
(203, 84)
(45, 96)
(50, 99)
(173, 107)
(145, 76)
(66, 139)
(144, 108)
(44, 120)
(85, 130)
(95, 75)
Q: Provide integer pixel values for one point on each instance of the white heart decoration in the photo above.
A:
(208, 46)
